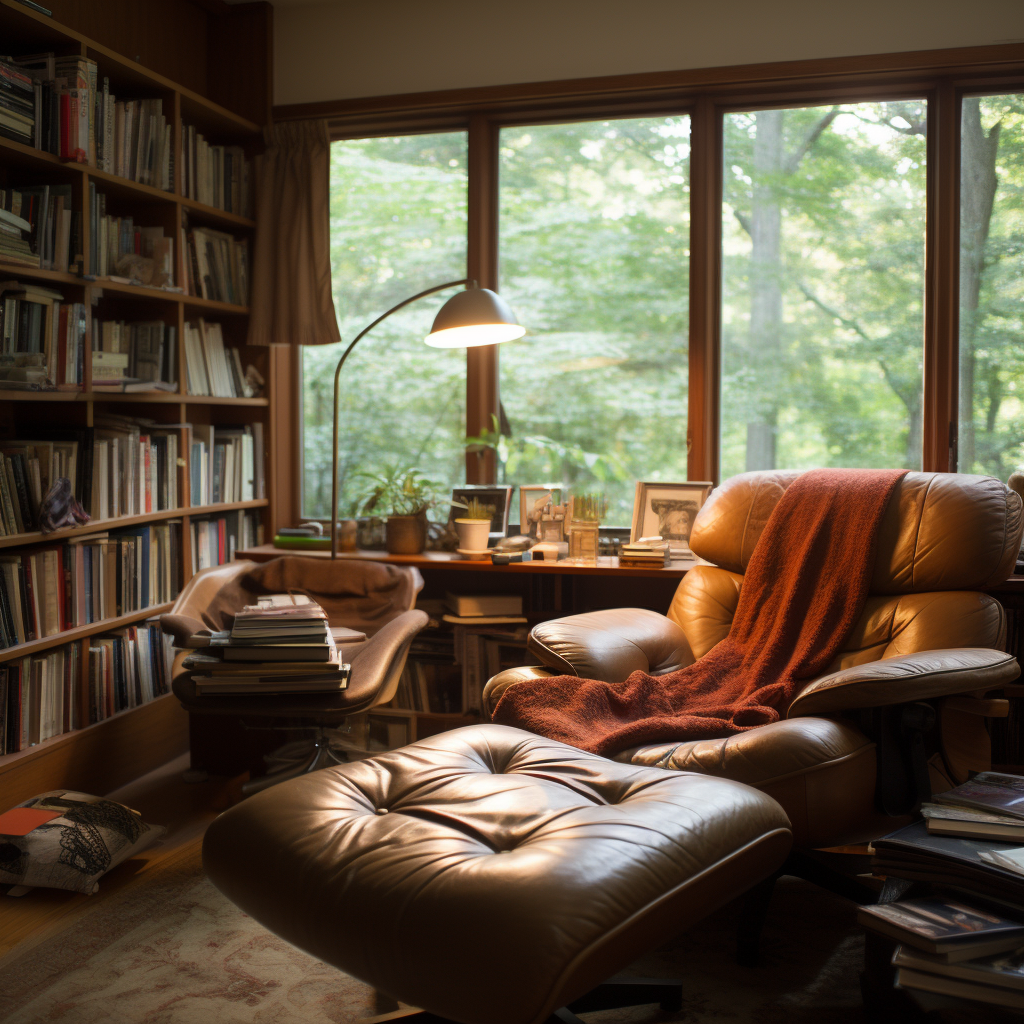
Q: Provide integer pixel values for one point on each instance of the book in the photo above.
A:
(995, 792)
(925, 982)
(472, 605)
(1005, 970)
(970, 824)
(943, 927)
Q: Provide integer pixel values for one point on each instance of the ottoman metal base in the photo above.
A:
(492, 876)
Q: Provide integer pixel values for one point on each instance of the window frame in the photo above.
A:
(941, 77)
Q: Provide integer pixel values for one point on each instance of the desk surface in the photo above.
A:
(608, 566)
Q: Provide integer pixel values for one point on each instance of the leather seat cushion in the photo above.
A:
(822, 772)
(490, 875)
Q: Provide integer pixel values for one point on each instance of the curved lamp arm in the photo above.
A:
(337, 379)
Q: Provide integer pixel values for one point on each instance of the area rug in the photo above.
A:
(171, 950)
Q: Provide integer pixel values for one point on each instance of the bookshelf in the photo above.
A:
(110, 752)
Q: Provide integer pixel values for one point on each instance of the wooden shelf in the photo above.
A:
(211, 213)
(80, 632)
(211, 305)
(160, 397)
(20, 540)
(46, 277)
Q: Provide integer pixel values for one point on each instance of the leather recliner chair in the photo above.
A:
(857, 746)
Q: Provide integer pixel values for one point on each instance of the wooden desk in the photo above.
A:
(608, 566)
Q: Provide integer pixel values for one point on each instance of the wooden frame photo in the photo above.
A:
(499, 497)
(529, 496)
(668, 511)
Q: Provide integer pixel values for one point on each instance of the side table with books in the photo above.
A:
(949, 928)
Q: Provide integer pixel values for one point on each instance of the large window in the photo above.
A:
(594, 257)
(992, 285)
(823, 287)
(398, 226)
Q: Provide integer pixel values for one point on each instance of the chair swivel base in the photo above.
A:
(611, 995)
(320, 756)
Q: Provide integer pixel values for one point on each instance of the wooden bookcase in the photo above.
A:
(111, 752)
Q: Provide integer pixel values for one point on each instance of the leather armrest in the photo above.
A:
(180, 627)
(611, 644)
(906, 678)
(498, 684)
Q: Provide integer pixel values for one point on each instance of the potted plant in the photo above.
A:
(474, 527)
(403, 496)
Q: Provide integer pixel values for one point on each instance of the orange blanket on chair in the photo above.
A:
(803, 591)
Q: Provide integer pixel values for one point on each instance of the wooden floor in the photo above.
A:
(163, 798)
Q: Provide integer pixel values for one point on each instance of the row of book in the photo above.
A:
(135, 356)
(226, 464)
(219, 176)
(215, 539)
(113, 238)
(217, 265)
(211, 367)
(44, 695)
(134, 468)
(45, 591)
(40, 228)
(28, 470)
(967, 940)
(58, 104)
(42, 338)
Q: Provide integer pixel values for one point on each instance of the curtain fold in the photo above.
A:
(291, 299)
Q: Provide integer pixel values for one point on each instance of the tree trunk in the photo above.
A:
(977, 194)
(765, 291)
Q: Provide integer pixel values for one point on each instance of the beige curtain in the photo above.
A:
(290, 299)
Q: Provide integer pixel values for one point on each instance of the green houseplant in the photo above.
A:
(474, 526)
(403, 495)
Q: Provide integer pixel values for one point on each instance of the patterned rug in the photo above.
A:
(172, 950)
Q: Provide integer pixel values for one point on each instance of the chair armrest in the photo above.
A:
(377, 662)
(611, 644)
(498, 684)
(904, 679)
(180, 627)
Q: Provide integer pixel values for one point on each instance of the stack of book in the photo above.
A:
(15, 246)
(648, 556)
(282, 644)
(217, 265)
(216, 175)
(211, 368)
(17, 103)
(134, 469)
(48, 229)
(111, 238)
(226, 464)
(960, 946)
(953, 948)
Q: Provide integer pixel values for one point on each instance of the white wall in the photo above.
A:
(335, 49)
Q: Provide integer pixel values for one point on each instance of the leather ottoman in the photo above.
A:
(489, 875)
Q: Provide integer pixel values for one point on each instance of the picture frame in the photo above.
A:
(668, 510)
(529, 494)
(499, 497)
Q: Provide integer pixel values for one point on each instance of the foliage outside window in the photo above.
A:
(398, 226)
(823, 285)
(594, 258)
(991, 435)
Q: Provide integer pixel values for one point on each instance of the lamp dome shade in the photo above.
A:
(476, 316)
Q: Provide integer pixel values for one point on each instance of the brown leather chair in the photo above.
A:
(857, 746)
(373, 597)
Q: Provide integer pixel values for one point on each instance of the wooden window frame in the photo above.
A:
(942, 77)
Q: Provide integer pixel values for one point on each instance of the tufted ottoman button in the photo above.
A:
(422, 911)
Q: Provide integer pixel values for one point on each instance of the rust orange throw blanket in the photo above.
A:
(803, 591)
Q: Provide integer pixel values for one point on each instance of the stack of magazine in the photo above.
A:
(968, 941)
(282, 644)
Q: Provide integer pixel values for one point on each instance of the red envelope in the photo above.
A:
(19, 821)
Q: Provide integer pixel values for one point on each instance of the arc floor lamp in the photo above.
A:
(469, 319)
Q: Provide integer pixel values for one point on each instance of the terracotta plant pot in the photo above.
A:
(473, 533)
(405, 535)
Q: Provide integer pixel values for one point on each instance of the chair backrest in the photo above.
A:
(944, 537)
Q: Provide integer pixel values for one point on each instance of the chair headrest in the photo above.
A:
(941, 531)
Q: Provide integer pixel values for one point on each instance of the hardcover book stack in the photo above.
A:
(215, 175)
(39, 227)
(18, 103)
(970, 944)
(211, 367)
(282, 644)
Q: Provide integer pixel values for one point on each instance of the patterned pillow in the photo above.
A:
(91, 836)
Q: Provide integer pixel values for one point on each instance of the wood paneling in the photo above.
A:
(240, 66)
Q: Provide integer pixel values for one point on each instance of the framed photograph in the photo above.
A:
(532, 500)
(499, 497)
(668, 511)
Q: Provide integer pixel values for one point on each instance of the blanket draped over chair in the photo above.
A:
(804, 589)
